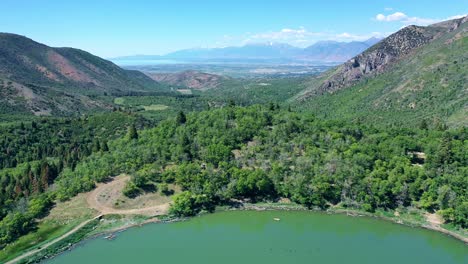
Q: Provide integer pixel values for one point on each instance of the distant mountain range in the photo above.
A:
(323, 51)
(35, 78)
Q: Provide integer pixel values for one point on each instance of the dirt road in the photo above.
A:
(32, 252)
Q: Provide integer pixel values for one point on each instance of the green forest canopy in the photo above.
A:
(257, 153)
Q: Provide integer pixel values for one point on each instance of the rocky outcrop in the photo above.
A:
(380, 56)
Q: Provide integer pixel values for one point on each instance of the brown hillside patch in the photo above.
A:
(42, 112)
(65, 68)
(42, 69)
(47, 73)
(34, 102)
(24, 91)
(92, 67)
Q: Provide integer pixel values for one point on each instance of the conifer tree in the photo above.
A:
(132, 133)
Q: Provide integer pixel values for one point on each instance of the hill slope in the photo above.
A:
(333, 51)
(43, 80)
(416, 73)
(190, 79)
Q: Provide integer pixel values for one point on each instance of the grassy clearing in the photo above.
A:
(76, 208)
(158, 108)
(61, 219)
(64, 244)
(155, 107)
(460, 118)
(119, 100)
(184, 91)
(46, 231)
(142, 201)
(149, 199)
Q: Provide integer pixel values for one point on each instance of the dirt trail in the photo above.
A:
(93, 199)
(434, 219)
(32, 252)
(434, 223)
(115, 188)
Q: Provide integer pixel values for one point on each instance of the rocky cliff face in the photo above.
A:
(381, 56)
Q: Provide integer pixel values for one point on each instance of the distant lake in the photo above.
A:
(255, 237)
(145, 62)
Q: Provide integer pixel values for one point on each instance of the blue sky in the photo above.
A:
(116, 28)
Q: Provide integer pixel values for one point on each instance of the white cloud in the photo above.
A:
(380, 17)
(456, 17)
(344, 35)
(302, 37)
(295, 36)
(283, 35)
(357, 37)
(420, 21)
(407, 20)
(397, 16)
(388, 9)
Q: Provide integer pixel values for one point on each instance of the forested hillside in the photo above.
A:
(256, 91)
(265, 153)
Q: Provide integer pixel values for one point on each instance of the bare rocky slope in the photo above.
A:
(380, 57)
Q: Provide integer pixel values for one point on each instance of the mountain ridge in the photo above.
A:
(382, 55)
(416, 74)
(45, 80)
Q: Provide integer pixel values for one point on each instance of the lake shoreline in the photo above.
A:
(250, 207)
(349, 212)
(292, 207)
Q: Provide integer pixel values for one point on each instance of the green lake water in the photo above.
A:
(254, 237)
